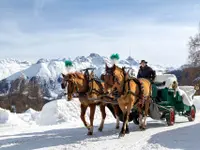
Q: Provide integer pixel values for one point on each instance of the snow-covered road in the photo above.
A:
(183, 135)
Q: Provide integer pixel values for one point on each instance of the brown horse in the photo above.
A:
(131, 93)
(108, 84)
(86, 88)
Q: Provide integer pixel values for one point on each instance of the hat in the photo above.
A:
(143, 61)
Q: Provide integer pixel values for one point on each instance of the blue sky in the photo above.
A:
(155, 30)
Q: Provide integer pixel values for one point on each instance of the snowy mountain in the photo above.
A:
(48, 72)
(10, 66)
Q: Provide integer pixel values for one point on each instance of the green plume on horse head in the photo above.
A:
(68, 63)
(114, 56)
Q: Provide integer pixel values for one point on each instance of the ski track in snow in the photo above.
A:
(72, 135)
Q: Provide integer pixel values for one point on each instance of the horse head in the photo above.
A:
(114, 77)
(73, 83)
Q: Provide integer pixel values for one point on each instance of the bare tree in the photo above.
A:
(194, 49)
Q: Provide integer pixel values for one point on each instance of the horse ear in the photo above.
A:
(71, 76)
(106, 66)
(114, 67)
(123, 69)
(102, 77)
(63, 75)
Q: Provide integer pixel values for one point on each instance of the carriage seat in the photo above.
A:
(164, 81)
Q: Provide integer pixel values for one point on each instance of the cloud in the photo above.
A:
(40, 4)
(164, 44)
(157, 32)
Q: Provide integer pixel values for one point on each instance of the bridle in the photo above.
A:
(92, 89)
(72, 83)
(109, 76)
(110, 73)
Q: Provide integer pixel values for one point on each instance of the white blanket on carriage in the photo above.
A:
(187, 93)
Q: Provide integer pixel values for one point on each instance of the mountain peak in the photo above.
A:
(94, 55)
(42, 60)
(132, 61)
(81, 59)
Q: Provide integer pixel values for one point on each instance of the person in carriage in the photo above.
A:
(145, 71)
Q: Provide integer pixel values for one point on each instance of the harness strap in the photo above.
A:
(140, 97)
(92, 89)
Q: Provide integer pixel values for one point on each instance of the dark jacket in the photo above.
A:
(147, 73)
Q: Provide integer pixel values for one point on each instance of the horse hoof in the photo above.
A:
(127, 131)
(117, 127)
(142, 128)
(121, 135)
(100, 129)
(89, 133)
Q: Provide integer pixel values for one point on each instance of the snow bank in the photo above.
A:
(6, 117)
(62, 111)
(26, 118)
(197, 102)
(54, 112)
(58, 111)
(29, 116)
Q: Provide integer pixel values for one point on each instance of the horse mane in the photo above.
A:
(108, 69)
(78, 75)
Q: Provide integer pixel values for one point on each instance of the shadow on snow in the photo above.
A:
(186, 138)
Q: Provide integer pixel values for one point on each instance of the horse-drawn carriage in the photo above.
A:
(167, 98)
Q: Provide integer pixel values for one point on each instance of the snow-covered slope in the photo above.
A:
(11, 66)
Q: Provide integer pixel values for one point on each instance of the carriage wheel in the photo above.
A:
(192, 114)
(171, 118)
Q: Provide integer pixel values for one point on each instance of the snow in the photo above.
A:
(10, 119)
(62, 111)
(197, 102)
(51, 69)
(59, 127)
(58, 111)
(11, 66)
(47, 72)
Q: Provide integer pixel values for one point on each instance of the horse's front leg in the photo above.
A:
(124, 110)
(129, 107)
(116, 109)
(83, 111)
(92, 112)
(123, 129)
(103, 115)
(147, 106)
(141, 118)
